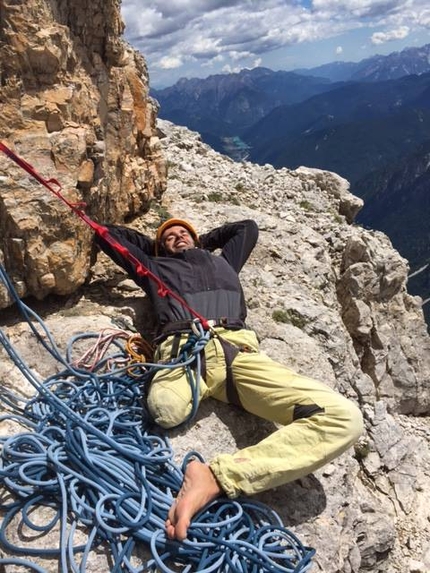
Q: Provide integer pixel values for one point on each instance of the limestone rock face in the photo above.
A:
(74, 104)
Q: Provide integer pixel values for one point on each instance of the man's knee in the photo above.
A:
(167, 408)
(350, 418)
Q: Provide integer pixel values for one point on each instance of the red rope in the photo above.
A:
(54, 186)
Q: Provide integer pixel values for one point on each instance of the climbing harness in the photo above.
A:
(86, 455)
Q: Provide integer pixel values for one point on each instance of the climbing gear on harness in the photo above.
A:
(181, 326)
(87, 456)
(172, 223)
(139, 348)
(230, 351)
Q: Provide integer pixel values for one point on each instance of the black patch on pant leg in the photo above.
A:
(230, 353)
(306, 411)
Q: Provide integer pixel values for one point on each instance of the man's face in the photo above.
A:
(176, 239)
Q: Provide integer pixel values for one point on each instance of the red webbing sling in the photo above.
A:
(54, 186)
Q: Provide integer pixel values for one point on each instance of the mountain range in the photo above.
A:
(225, 105)
(353, 129)
(367, 121)
(377, 68)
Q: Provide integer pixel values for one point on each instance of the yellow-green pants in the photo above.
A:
(268, 390)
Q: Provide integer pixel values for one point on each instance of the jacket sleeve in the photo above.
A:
(236, 241)
(139, 245)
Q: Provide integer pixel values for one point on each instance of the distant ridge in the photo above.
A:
(377, 68)
(354, 129)
(224, 105)
(228, 105)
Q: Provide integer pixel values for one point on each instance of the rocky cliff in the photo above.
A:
(74, 104)
(327, 297)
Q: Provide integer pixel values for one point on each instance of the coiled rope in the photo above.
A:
(88, 459)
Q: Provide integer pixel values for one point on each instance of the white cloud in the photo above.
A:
(227, 69)
(382, 37)
(237, 56)
(424, 18)
(170, 63)
(190, 34)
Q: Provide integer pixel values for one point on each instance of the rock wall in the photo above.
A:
(74, 104)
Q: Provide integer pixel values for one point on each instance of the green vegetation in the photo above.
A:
(162, 213)
(233, 200)
(361, 450)
(338, 218)
(289, 316)
(306, 205)
(215, 197)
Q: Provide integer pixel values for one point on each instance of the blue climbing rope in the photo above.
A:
(87, 457)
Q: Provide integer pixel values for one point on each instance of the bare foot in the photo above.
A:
(198, 488)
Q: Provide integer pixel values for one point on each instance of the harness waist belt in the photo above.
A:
(185, 325)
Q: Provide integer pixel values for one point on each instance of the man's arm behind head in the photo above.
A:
(236, 240)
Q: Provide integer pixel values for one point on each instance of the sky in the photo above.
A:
(199, 38)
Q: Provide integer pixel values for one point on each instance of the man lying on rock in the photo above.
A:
(318, 423)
